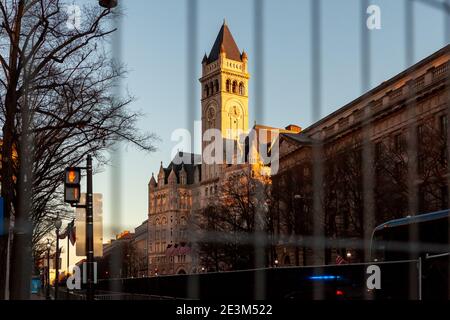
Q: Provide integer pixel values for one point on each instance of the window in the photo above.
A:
(398, 142)
(420, 133)
(420, 164)
(241, 89)
(206, 192)
(216, 85)
(443, 123)
(444, 156)
(306, 171)
(234, 86)
(228, 83)
(444, 197)
(378, 149)
(206, 91)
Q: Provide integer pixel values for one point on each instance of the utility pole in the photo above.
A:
(58, 226)
(89, 231)
(72, 196)
(47, 295)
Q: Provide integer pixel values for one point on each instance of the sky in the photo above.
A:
(154, 49)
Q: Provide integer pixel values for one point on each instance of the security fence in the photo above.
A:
(316, 212)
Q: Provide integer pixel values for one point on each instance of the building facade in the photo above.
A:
(375, 153)
(384, 155)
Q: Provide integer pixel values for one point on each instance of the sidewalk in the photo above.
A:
(37, 297)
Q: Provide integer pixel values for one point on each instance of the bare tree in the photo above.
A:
(57, 104)
(228, 224)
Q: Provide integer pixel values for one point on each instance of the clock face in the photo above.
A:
(211, 113)
(235, 112)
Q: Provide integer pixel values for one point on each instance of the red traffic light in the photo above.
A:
(73, 175)
(72, 180)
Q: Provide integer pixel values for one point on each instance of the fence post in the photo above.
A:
(419, 265)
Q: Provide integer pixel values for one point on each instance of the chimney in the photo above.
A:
(294, 128)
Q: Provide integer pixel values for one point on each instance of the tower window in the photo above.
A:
(228, 85)
(241, 89)
(206, 91)
(216, 85)
(234, 86)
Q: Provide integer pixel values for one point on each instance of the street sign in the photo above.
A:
(80, 225)
(72, 179)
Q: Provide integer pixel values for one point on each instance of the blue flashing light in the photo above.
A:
(325, 277)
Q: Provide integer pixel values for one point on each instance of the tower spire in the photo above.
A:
(225, 42)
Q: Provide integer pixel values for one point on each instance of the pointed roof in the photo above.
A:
(153, 181)
(225, 42)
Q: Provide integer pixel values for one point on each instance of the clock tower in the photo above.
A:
(224, 91)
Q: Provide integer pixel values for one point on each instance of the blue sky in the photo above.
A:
(154, 49)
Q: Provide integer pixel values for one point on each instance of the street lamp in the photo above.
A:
(109, 4)
(58, 224)
(349, 254)
(276, 263)
(48, 270)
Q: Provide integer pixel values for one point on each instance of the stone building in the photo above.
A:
(399, 130)
(381, 122)
(189, 182)
(139, 252)
(169, 206)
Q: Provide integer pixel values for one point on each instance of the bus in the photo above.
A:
(411, 237)
(423, 238)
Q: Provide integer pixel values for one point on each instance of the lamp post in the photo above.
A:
(58, 224)
(108, 4)
(47, 295)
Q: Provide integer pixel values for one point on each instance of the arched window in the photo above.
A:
(211, 88)
(241, 89)
(228, 85)
(206, 91)
(216, 85)
(234, 86)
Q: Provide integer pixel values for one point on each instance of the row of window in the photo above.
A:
(399, 142)
(163, 221)
(230, 86)
(163, 259)
(211, 190)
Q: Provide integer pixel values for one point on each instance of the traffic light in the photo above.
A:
(72, 180)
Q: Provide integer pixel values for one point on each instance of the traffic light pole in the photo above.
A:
(89, 230)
